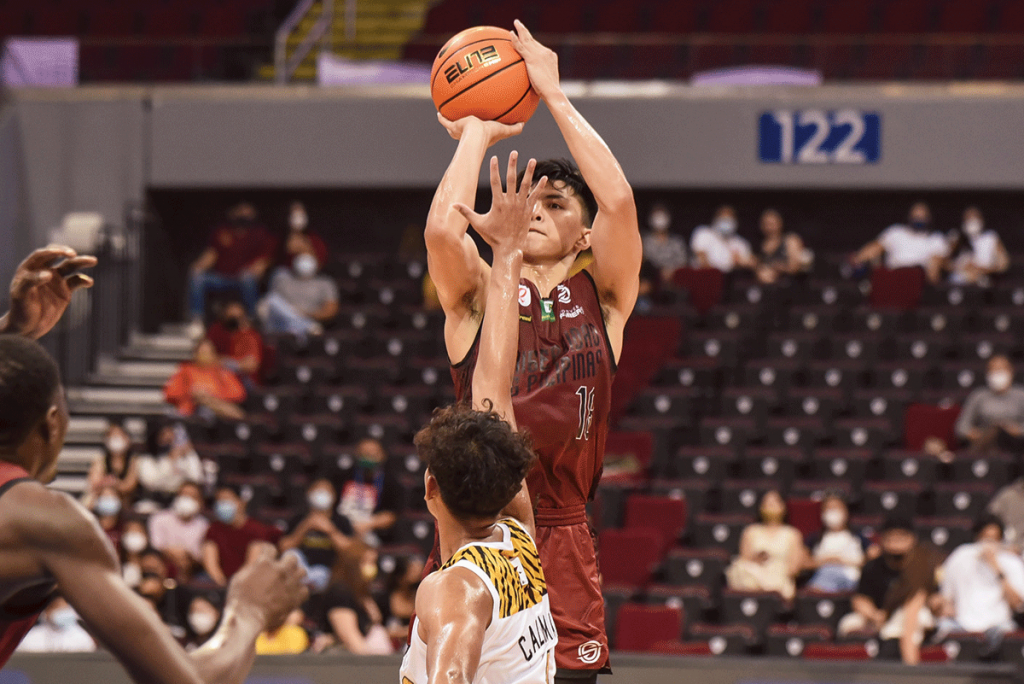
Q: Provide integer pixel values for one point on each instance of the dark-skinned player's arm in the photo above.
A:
(615, 238)
(453, 259)
(41, 289)
(505, 228)
(62, 540)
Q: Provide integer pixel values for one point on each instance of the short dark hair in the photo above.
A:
(478, 460)
(567, 172)
(898, 522)
(984, 521)
(29, 379)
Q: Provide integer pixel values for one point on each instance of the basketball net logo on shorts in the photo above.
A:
(485, 56)
(589, 652)
(524, 296)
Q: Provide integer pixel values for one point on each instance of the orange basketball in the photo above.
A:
(479, 73)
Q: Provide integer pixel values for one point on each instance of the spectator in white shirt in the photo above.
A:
(57, 631)
(170, 461)
(718, 245)
(838, 555)
(981, 255)
(178, 532)
(910, 245)
(664, 251)
(982, 585)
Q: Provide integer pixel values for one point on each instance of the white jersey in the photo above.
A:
(519, 643)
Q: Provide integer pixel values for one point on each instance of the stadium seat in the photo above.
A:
(727, 432)
(815, 317)
(824, 404)
(790, 640)
(796, 432)
(727, 640)
(721, 531)
(715, 344)
(704, 285)
(677, 17)
(695, 600)
(891, 498)
(614, 598)
(629, 557)
(850, 465)
(343, 400)
(694, 490)
(749, 402)
(744, 496)
(899, 288)
(909, 465)
(817, 608)
(780, 463)
(923, 422)
(665, 514)
(1012, 648)
(638, 627)
(670, 401)
(863, 433)
(804, 514)
(993, 468)
(966, 499)
(415, 529)
(776, 374)
(758, 609)
(705, 567)
(911, 376)
(627, 456)
(966, 16)
(945, 533)
(826, 652)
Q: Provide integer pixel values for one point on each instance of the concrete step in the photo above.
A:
(70, 484)
(116, 400)
(134, 373)
(78, 459)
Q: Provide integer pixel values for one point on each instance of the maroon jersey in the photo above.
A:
(561, 393)
(17, 619)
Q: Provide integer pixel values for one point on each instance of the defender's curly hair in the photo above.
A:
(566, 171)
(478, 460)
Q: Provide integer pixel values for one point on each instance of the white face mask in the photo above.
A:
(298, 220)
(726, 225)
(833, 518)
(999, 381)
(117, 444)
(305, 265)
(63, 618)
(134, 542)
(660, 220)
(108, 505)
(973, 227)
(320, 500)
(185, 506)
(201, 622)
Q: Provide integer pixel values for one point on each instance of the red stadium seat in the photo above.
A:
(617, 17)
(907, 16)
(966, 16)
(623, 446)
(665, 514)
(804, 515)
(448, 17)
(737, 16)
(1011, 18)
(705, 286)
(847, 17)
(923, 421)
(898, 288)
(836, 652)
(629, 557)
(791, 16)
(791, 640)
(639, 627)
(560, 17)
(681, 16)
(113, 22)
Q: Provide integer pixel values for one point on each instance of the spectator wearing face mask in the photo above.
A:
(909, 245)
(107, 508)
(718, 246)
(664, 252)
(204, 612)
(398, 602)
(116, 466)
(353, 619)
(300, 239)
(370, 496)
(231, 538)
(134, 540)
(782, 254)
(164, 595)
(238, 343)
(319, 535)
(981, 253)
(178, 532)
(772, 553)
(1008, 506)
(838, 554)
(57, 631)
(300, 300)
(169, 462)
(993, 416)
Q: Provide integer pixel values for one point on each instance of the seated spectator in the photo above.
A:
(718, 245)
(108, 512)
(238, 343)
(165, 595)
(204, 611)
(981, 253)
(353, 618)
(230, 539)
(782, 254)
(319, 535)
(117, 466)
(371, 496)
(982, 586)
(663, 252)
(134, 540)
(838, 554)
(289, 639)
(398, 602)
(57, 631)
(300, 239)
(913, 244)
(179, 531)
(300, 301)
(772, 553)
(169, 462)
(1008, 506)
(894, 598)
(205, 386)
(238, 255)
(993, 416)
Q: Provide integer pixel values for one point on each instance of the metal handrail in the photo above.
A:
(285, 66)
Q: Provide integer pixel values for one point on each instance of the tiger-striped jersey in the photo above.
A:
(519, 643)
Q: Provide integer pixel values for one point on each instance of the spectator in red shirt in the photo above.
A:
(206, 386)
(239, 253)
(230, 538)
(301, 240)
(239, 344)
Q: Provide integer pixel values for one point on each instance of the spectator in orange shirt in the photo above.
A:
(205, 386)
(238, 343)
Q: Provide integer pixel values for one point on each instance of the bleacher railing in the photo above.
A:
(286, 63)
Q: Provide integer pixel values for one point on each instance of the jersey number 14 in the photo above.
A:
(586, 396)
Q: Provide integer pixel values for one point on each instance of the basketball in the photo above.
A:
(478, 73)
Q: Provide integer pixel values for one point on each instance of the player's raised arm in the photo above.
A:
(615, 238)
(41, 289)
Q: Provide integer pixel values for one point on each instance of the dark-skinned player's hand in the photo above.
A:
(42, 287)
(273, 586)
(507, 223)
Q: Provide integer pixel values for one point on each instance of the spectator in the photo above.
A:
(57, 631)
(839, 554)
(663, 252)
(237, 257)
(117, 466)
(134, 540)
(771, 552)
(370, 496)
(161, 592)
(169, 462)
(238, 343)
(289, 639)
(718, 245)
(108, 512)
(904, 246)
(300, 239)
(982, 585)
(353, 617)
(782, 254)
(178, 533)
(206, 386)
(893, 597)
(320, 534)
(204, 612)
(982, 254)
(230, 539)
(300, 300)
(994, 416)
(1008, 506)
(399, 600)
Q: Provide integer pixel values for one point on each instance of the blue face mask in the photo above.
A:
(63, 618)
(226, 511)
(108, 505)
(919, 225)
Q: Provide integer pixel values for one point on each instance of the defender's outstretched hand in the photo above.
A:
(541, 61)
(494, 130)
(507, 223)
(274, 587)
(42, 287)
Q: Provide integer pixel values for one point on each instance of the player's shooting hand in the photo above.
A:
(507, 224)
(274, 587)
(493, 130)
(541, 61)
(41, 289)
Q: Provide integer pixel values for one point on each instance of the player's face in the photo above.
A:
(557, 229)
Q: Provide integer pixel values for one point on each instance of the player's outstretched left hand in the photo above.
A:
(274, 587)
(507, 224)
(541, 61)
(42, 287)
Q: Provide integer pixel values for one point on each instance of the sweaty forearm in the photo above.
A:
(457, 186)
(228, 656)
(499, 340)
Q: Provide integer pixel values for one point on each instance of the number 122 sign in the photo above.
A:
(816, 136)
